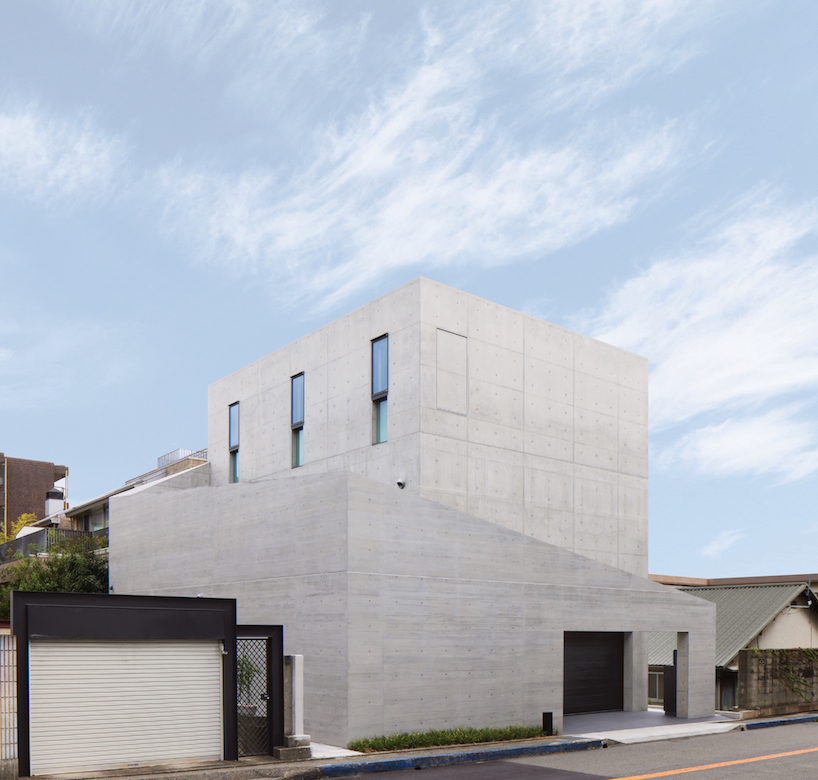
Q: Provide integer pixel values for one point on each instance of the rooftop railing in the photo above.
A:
(177, 455)
(168, 460)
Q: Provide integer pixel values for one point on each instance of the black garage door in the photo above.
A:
(594, 671)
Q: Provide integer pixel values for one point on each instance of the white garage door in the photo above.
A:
(101, 705)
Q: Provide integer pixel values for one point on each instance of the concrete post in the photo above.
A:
(557, 659)
(635, 697)
(695, 673)
(298, 743)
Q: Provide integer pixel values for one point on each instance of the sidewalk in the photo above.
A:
(611, 729)
(652, 725)
(582, 732)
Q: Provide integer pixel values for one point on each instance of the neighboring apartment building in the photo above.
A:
(25, 486)
(62, 523)
(444, 501)
(92, 515)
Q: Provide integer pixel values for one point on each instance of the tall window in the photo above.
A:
(234, 442)
(380, 387)
(297, 406)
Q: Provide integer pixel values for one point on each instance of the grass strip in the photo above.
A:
(438, 738)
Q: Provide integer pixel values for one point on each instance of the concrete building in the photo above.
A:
(444, 501)
(25, 486)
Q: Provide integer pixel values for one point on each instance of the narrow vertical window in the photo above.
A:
(297, 407)
(233, 441)
(380, 387)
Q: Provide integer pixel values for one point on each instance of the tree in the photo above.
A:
(75, 566)
(27, 518)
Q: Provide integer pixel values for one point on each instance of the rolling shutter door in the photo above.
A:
(594, 671)
(103, 705)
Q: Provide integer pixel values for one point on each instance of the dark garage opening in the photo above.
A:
(594, 668)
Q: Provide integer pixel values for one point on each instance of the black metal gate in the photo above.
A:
(670, 688)
(260, 694)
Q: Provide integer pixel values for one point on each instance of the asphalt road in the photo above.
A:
(691, 759)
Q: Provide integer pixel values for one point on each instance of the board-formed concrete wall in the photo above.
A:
(491, 411)
(410, 614)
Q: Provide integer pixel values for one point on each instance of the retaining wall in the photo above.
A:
(777, 682)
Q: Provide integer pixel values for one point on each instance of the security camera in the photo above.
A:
(401, 483)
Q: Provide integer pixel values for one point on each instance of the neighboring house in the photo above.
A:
(26, 486)
(444, 502)
(763, 613)
(93, 515)
(90, 517)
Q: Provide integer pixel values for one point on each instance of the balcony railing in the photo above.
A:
(167, 460)
(45, 539)
(177, 455)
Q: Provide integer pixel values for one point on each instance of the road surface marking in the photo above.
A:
(723, 763)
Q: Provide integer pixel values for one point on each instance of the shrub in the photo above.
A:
(435, 738)
(71, 567)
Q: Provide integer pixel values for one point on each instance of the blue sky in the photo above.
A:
(186, 186)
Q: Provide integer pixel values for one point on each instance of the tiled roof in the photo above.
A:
(741, 612)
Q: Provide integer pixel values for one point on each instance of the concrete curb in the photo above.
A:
(460, 757)
(765, 724)
(344, 769)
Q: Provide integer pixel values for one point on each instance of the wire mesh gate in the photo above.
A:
(260, 694)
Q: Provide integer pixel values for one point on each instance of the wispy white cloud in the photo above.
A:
(777, 441)
(729, 328)
(541, 307)
(591, 49)
(435, 144)
(46, 363)
(47, 158)
(262, 47)
(724, 541)
(194, 28)
(389, 195)
(587, 49)
(426, 175)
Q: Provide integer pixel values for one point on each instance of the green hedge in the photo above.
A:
(433, 738)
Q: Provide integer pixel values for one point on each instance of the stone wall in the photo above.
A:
(777, 682)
